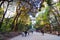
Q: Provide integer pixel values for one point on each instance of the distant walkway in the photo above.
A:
(37, 36)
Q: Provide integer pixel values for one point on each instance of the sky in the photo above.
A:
(11, 9)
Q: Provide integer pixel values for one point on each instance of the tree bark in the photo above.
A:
(4, 15)
(56, 18)
(1, 3)
(14, 27)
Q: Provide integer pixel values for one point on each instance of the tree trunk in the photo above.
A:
(14, 27)
(4, 15)
(1, 3)
(56, 18)
(55, 10)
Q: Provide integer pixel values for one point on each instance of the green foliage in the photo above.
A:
(6, 27)
(24, 22)
(1, 12)
(48, 2)
(39, 27)
(56, 28)
(22, 27)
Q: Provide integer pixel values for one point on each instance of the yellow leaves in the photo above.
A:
(1, 9)
(42, 23)
(24, 18)
(38, 18)
(45, 4)
(36, 26)
(52, 10)
(18, 3)
(1, 12)
(22, 8)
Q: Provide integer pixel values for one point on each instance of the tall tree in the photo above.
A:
(4, 14)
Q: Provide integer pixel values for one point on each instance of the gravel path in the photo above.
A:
(37, 36)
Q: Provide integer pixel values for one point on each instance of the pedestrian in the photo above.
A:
(28, 32)
(25, 33)
(42, 31)
(32, 31)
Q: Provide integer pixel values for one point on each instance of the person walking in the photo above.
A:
(42, 31)
(25, 33)
(28, 32)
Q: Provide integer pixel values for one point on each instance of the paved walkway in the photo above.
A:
(37, 36)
